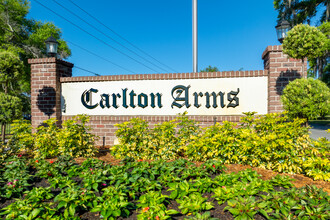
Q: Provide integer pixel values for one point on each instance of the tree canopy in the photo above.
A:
(302, 11)
(320, 64)
(11, 67)
(210, 69)
(305, 41)
(26, 36)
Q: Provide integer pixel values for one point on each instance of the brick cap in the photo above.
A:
(276, 48)
(50, 60)
(167, 76)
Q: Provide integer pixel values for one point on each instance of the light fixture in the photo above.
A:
(282, 27)
(51, 46)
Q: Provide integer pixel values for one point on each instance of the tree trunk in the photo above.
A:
(3, 133)
(320, 70)
(303, 68)
(327, 14)
(3, 125)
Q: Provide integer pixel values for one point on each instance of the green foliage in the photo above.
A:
(153, 204)
(11, 67)
(194, 203)
(26, 36)
(21, 138)
(113, 203)
(167, 140)
(321, 64)
(302, 11)
(15, 176)
(73, 139)
(306, 98)
(210, 69)
(242, 207)
(271, 141)
(244, 194)
(45, 144)
(304, 41)
(265, 141)
(10, 108)
(27, 33)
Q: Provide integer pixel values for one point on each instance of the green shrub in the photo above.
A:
(133, 137)
(73, 139)
(167, 140)
(306, 98)
(269, 141)
(45, 142)
(20, 140)
(21, 135)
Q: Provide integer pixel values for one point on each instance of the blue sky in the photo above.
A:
(231, 34)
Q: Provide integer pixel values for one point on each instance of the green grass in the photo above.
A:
(321, 121)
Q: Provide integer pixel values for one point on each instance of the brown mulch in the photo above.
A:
(299, 179)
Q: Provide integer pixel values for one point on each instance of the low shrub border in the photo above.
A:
(269, 141)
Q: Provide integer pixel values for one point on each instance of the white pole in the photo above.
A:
(195, 64)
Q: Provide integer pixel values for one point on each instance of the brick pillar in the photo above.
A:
(281, 70)
(46, 88)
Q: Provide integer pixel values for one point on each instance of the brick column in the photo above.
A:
(281, 70)
(46, 88)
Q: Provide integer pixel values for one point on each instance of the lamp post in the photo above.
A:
(282, 27)
(51, 46)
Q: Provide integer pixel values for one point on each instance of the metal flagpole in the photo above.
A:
(195, 64)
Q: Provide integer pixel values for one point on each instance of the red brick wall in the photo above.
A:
(281, 70)
(46, 88)
(104, 126)
(50, 73)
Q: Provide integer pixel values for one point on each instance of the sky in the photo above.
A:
(232, 35)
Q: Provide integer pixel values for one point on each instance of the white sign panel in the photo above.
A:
(218, 96)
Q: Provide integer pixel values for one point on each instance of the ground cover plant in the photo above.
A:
(62, 189)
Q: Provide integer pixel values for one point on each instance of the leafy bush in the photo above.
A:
(45, 144)
(271, 141)
(306, 98)
(21, 138)
(73, 139)
(167, 140)
(268, 141)
(304, 41)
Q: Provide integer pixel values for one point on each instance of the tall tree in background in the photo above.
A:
(26, 37)
(11, 67)
(302, 11)
(321, 64)
(210, 69)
